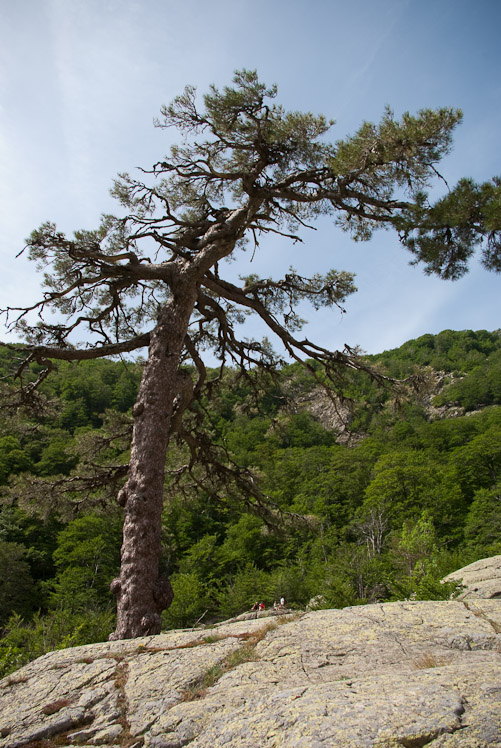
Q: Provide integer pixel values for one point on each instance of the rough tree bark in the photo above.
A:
(140, 591)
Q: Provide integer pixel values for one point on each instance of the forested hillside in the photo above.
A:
(372, 495)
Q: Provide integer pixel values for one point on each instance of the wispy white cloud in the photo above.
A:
(81, 81)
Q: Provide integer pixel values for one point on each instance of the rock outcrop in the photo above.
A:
(404, 674)
(482, 579)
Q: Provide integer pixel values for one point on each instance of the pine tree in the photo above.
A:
(245, 168)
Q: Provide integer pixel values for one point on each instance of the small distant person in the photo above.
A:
(275, 605)
(255, 606)
(261, 606)
(282, 602)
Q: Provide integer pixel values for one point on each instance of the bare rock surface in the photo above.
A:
(480, 579)
(406, 674)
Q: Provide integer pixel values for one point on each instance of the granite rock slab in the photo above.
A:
(407, 674)
(479, 579)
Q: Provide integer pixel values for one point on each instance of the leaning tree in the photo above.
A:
(154, 278)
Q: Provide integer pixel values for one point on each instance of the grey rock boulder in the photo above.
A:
(405, 674)
(482, 579)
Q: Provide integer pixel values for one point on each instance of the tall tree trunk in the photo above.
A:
(141, 593)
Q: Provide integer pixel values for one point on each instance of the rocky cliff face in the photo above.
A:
(398, 674)
(336, 416)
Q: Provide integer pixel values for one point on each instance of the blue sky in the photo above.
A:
(82, 80)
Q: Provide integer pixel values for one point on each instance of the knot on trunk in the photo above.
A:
(122, 497)
(163, 594)
(116, 586)
(151, 624)
(137, 409)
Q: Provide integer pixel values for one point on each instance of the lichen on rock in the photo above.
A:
(375, 676)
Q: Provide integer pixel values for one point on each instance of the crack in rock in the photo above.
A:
(340, 678)
(483, 616)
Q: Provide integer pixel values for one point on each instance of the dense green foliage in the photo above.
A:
(414, 494)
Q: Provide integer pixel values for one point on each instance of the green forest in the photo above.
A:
(373, 493)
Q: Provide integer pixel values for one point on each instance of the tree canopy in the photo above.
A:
(153, 277)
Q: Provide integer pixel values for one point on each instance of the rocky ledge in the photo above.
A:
(404, 674)
(480, 579)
